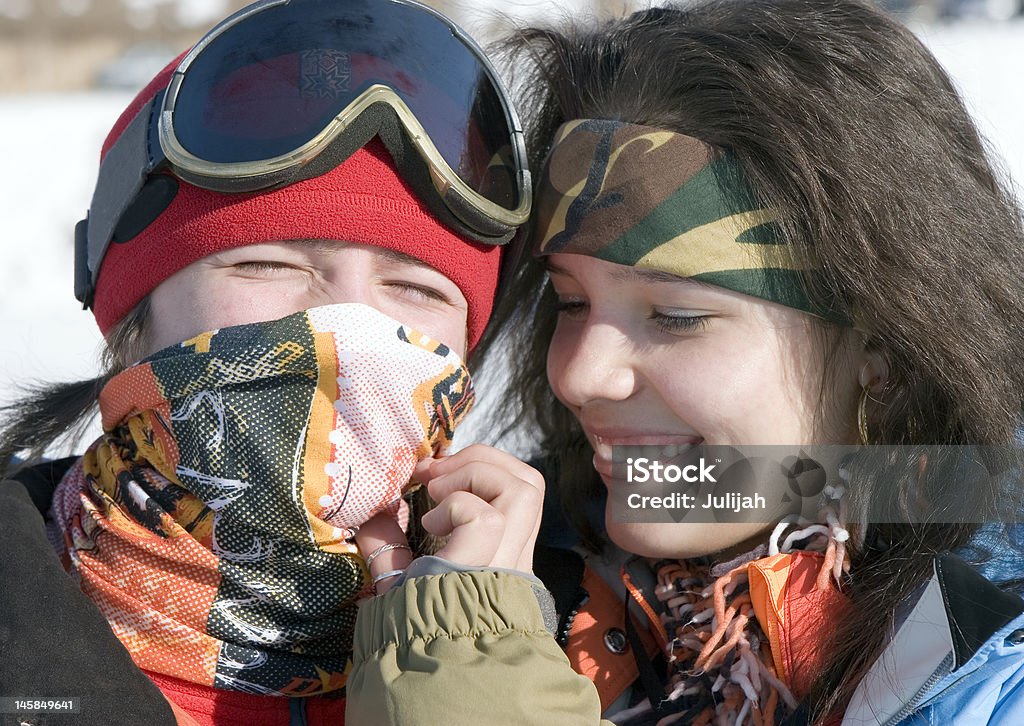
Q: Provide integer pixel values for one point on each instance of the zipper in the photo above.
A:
(944, 669)
(565, 625)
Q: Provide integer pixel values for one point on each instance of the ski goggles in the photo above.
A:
(286, 90)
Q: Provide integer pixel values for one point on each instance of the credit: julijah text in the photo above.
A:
(729, 502)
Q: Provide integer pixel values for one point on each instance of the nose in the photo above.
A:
(589, 361)
(347, 289)
(346, 279)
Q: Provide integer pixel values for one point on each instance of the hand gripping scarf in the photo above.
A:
(654, 199)
(212, 522)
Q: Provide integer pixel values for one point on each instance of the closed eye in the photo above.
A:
(264, 267)
(679, 323)
(418, 291)
(570, 307)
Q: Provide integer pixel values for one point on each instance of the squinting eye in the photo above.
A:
(419, 291)
(263, 266)
(679, 323)
(570, 308)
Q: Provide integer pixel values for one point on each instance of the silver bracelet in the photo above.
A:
(388, 574)
(385, 548)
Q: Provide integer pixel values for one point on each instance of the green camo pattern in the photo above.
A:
(654, 199)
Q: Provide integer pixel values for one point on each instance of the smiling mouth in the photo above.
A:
(663, 447)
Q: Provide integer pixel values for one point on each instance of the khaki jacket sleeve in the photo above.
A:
(463, 648)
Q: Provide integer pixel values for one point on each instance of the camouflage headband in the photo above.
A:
(654, 199)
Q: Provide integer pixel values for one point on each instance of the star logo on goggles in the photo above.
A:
(325, 73)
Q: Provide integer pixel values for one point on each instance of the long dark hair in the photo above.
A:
(850, 129)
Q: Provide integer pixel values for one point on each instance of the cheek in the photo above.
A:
(181, 310)
(705, 382)
(453, 333)
(774, 390)
(558, 357)
(732, 393)
(178, 310)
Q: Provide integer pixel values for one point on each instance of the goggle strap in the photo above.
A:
(84, 287)
(125, 168)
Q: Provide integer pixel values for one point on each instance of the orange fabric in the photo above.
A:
(655, 621)
(181, 717)
(612, 673)
(797, 617)
(182, 521)
(767, 579)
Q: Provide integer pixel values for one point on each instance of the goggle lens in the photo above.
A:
(260, 90)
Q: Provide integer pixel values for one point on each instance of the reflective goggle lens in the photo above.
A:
(268, 85)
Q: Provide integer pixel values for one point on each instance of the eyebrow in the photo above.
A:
(401, 257)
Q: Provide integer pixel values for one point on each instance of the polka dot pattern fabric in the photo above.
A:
(213, 522)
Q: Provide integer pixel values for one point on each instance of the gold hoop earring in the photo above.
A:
(862, 415)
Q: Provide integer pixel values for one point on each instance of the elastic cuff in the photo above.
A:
(452, 605)
(431, 565)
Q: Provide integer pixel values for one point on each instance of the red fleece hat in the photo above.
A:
(363, 200)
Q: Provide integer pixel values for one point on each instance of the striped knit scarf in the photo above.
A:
(722, 668)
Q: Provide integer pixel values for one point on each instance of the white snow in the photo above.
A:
(50, 144)
(50, 147)
(984, 60)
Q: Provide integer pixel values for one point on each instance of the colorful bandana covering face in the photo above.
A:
(654, 199)
(212, 522)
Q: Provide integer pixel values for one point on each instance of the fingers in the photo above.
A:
(429, 468)
(517, 502)
(475, 527)
(421, 472)
(489, 507)
(490, 503)
(376, 540)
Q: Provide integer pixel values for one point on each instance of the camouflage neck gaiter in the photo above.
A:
(654, 199)
(212, 522)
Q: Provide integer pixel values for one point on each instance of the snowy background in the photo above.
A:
(50, 146)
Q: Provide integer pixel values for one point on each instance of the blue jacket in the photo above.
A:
(958, 656)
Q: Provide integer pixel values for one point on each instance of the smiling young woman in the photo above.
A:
(648, 358)
(294, 243)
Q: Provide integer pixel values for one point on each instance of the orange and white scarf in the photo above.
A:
(212, 522)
